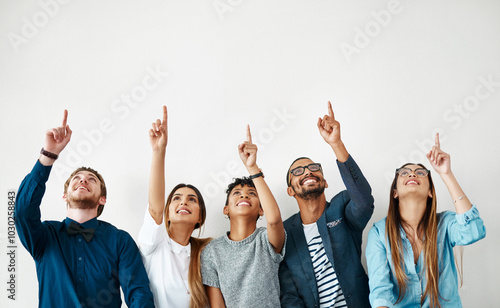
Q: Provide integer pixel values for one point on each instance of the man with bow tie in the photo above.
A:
(322, 265)
(81, 261)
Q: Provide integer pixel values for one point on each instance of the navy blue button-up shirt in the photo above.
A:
(72, 272)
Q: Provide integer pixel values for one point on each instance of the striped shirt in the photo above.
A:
(330, 293)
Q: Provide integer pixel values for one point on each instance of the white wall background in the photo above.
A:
(395, 71)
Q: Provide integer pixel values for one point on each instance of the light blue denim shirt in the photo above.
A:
(453, 229)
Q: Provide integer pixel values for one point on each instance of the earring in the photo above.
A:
(260, 217)
(226, 216)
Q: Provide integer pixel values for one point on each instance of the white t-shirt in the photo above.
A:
(167, 264)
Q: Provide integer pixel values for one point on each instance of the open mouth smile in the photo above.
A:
(412, 182)
(309, 180)
(243, 203)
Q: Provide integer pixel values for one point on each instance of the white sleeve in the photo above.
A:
(151, 234)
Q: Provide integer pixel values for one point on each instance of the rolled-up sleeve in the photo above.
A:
(465, 228)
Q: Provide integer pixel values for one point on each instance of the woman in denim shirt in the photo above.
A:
(410, 252)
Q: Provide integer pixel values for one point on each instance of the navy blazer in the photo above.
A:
(341, 229)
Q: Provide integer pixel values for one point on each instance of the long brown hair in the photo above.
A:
(426, 231)
(199, 297)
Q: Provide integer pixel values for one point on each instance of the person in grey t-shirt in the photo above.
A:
(240, 269)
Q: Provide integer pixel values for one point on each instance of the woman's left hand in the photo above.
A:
(439, 160)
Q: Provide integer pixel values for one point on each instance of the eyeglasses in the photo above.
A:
(300, 170)
(420, 172)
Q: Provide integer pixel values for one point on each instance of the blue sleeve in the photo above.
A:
(379, 270)
(466, 228)
(32, 232)
(359, 209)
(132, 275)
(289, 295)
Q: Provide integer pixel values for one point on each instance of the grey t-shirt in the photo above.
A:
(246, 272)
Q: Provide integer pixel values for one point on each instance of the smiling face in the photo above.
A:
(309, 185)
(243, 200)
(410, 184)
(184, 208)
(83, 191)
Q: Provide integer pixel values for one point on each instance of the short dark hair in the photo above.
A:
(94, 172)
(243, 181)
(288, 184)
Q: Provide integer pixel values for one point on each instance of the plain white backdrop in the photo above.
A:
(396, 72)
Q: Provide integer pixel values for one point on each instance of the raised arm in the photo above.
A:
(56, 140)
(32, 232)
(275, 229)
(158, 137)
(360, 207)
(441, 163)
(329, 129)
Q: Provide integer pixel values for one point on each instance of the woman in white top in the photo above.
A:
(170, 254)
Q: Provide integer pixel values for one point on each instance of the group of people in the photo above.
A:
(312, 259)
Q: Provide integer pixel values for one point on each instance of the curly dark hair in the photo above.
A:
(243, 181)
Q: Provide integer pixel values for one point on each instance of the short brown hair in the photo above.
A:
(94, 172)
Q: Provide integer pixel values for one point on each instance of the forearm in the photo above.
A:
(157, 186)
(340, 151)
(360, 207)
(275, 228)
(462, 203)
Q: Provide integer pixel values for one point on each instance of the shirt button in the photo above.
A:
(79, 240)
(80, 259)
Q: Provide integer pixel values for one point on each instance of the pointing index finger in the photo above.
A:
(249, 135)
(65, 118)
(330, 110)
(437, 141)
(165, 116)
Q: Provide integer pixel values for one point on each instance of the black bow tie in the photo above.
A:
(74, 228)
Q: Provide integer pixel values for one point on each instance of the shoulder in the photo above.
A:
(290, 221)
(54, 223)
(339, 200)
(261, 233)
(110, 230)
(445, 217)
(214, 245)
(378, 227)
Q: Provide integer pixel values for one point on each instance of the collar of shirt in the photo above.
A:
(92, 224)
(178, 248)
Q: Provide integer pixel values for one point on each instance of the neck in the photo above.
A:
(181, 233)
(81, 215)
(241, 228)
(412, 210)
(312, 209)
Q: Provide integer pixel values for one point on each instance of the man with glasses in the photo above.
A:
(322, 265)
